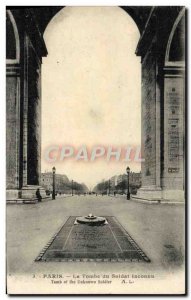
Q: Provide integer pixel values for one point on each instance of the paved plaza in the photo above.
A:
(158, 229)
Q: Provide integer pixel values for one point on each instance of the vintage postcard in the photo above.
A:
(95, 150)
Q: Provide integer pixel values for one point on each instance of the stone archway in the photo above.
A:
(163, 171)
(12, 105)
(155, 25)
(174, 111)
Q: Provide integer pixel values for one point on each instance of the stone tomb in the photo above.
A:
(82, 242)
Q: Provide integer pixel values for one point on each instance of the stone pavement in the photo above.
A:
(157, 229)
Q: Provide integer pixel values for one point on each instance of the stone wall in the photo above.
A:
(12, 131)
(34, 119)
(23, 105)
(173, 132)
(148, 119)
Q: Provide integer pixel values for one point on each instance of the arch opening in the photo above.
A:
(176, 44)
(12, 39)
(91, 87)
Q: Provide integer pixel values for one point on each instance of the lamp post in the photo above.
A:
(109, 188)
(72, 187)
(128, 173)
(53, 185)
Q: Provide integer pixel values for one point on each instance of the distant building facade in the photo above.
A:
(60, 181)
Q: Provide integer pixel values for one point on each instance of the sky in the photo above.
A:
(91, 90)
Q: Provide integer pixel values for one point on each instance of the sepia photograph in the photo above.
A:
(96, 150)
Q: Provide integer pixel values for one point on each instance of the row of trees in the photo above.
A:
(101, 187)
(73, 186)
(105, 187)
(62, 184)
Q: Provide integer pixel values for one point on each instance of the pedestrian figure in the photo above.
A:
(38, 195)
